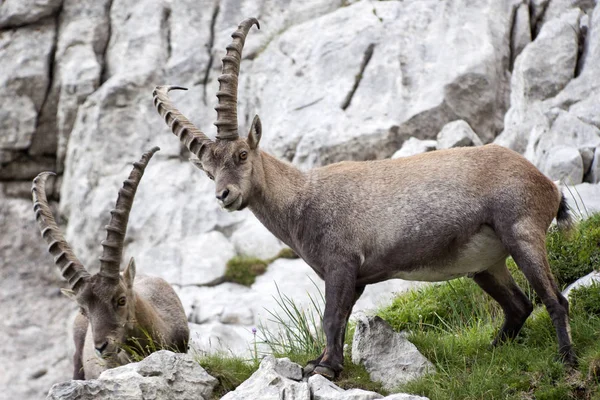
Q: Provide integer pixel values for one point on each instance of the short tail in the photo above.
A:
(564, 219)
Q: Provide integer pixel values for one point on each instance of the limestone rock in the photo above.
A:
(34, 317)
(583, 199)
(564, 164)
(548, 63)
(457, 134)
(588, 280)
(542, 70)
(414, 146)
(228, 303)
(15, 13)
(218, 338)
(160, 375)
(252, 239)
(268, 383)
(388, 356)
(200, 260)
(593, 174)
(25, 78)
(361, 111)
(323, 389)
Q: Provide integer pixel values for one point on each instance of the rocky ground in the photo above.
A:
(331, 80)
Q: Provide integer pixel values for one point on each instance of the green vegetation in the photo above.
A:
(244, 270)
(230, 371)
(453, 324)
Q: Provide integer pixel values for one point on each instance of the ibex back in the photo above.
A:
(435, 216)
(115, 310)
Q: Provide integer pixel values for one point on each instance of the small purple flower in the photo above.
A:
(254, 331)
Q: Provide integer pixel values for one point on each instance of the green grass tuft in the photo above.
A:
(244, 270)
(230, 371)
(286, 252)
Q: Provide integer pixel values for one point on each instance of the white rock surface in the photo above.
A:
(414, 146)
(565, 164)
(272, 382)
(24, 81)
(583, 199)
(15, 13)
(228, 303)
(323, 389)
(252, 239)
(218, 338)
(591, 278)
(457, 134)
(160, 375)
(388, 356)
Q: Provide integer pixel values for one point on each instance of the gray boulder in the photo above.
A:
(275, 379)
(414, 146)
(457, 134)
(323, 389)
(564, 164)
(161, 375)
(15, 13)
(388, 356)
(252, 239)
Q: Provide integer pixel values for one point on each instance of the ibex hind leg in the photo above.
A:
(528, 249)
(500, 285)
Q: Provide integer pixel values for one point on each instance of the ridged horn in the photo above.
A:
(227, 123)
(70, 267)
(187, 132)
(110, 261)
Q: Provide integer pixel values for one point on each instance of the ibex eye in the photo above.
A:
(212, 178)
(121, 302)
(243, 155)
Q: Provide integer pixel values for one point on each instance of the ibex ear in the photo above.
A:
(196, 163)
(129, 273)
(255, 133)
(69, 293)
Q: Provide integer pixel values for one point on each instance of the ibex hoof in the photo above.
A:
(327, 372)
(309, 369)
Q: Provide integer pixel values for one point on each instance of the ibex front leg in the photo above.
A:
(340, 295)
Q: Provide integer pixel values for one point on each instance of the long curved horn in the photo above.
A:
(187, 132)
(110, 261)
(70, 267)
(227, 124)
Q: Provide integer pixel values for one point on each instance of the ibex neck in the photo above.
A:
(278, 200)
(145, 322)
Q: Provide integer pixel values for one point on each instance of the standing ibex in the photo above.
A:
(434, 217)
(115, 310)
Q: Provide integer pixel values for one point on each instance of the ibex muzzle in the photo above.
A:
(435, 216)
(115, 310)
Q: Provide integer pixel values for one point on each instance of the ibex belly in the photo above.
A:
(482, 251)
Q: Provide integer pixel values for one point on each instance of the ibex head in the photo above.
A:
(106, 298)
(232, 162)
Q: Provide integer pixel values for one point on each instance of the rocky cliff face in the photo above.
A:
(331, 80)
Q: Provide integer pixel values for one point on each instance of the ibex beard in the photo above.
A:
(433, 217)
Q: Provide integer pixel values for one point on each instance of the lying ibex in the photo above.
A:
(115, 310)
(432, 217)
